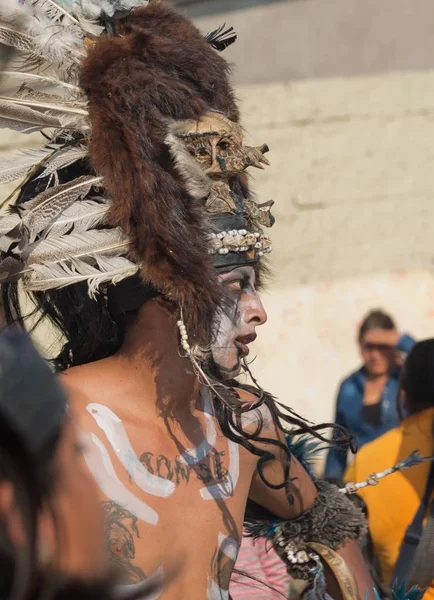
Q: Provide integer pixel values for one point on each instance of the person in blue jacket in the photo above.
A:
(366, 403)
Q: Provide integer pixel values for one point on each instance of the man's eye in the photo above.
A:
(237, 284)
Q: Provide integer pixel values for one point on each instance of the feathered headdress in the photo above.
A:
(141, 110)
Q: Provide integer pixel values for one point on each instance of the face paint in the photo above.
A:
(101, 467)
(193, 456)
(117, 436)
(237, 323)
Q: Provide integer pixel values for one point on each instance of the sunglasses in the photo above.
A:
(370, 347)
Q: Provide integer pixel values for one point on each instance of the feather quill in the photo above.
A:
(18, 165)
(18, 126)
(38, 104)
(62, 159)
(16, 39)
(25, 117)
(36, 82)
(89, 244)
(39, 213)
(79, 217)
(58, 275)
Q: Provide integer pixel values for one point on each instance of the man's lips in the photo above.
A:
(242, 343)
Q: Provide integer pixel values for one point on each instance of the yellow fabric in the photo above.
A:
(393, 503)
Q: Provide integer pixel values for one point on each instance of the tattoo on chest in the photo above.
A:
(121, 531)
(209, 471)
(158, 475)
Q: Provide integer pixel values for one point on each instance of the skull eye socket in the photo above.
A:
(201, 152)
(223, 145)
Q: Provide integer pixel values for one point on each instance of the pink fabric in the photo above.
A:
(257, 559)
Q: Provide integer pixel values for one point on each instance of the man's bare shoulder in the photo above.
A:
(92, 382)
(258, 416)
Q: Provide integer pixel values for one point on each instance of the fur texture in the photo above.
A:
(158, 68)
(332, 521)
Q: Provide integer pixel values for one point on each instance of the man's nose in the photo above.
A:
(255, 314)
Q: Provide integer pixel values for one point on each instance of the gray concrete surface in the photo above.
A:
(302, 39)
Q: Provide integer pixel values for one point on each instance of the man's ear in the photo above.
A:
(168, 305)
(10, 515)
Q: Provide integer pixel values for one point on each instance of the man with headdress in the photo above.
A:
(136, 233)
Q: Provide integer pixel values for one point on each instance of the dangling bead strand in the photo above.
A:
(184, 337)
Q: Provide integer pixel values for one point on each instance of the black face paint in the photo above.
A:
(240, 296)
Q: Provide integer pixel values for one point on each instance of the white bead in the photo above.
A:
(220, 236)
(260, 254)
(258, 245)
(180, 323)
(242, 231)
(257, 234)
(184, 336)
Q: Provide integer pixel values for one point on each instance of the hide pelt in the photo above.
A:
(157, 67)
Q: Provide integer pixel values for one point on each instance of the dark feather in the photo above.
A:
(221, 38)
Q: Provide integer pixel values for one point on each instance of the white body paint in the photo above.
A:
(101, 467)
(117, 436)
(230, 548)
(192, 456)
(215, 592)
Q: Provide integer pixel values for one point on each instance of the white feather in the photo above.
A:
(19, 164)
(19, 126)
(98, 242)
(16, 39)
(7, 222)
(58, 275)
(51, 39)
(62, 159)
(79, 217)
(61, 106)
(16, 79)
(38, 214)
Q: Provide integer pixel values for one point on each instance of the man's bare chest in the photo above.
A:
(167, 492)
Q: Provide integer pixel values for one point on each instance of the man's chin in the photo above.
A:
(226, 372)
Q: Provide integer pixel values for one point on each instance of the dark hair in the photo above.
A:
(92, 330)
(33, 478)
(375, 319)
(417, 377)
(70, 309)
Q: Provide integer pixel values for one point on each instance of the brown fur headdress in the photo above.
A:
(159, 68)
(149, 99)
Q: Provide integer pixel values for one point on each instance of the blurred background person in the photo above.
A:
(392, 505)
(366, 403)
(51, 524)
